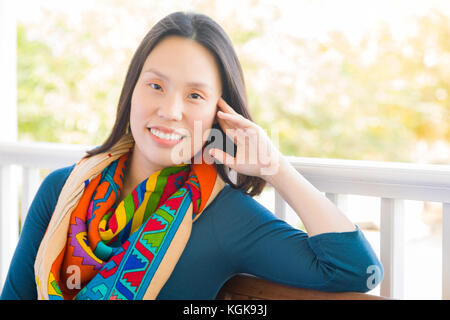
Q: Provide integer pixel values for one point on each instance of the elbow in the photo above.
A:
(373, 276)
(351, 265)
(364, 278)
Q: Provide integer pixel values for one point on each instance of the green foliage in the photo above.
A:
(369, 108)
(57, 100)
(375, 99)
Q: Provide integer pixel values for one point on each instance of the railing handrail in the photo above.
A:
(425, 178)
(41, 154)
(396, 180)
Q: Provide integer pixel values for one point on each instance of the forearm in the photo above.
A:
(318, 214)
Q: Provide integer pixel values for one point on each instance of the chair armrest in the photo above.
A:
(249, 287)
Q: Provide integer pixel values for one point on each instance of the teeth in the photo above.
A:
(165, 136)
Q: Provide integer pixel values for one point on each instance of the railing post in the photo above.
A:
(339, 200)
(30, 184)
(280, 206)
(446, 251)
(9, 218)
(392, 247)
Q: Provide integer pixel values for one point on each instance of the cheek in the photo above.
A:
(200, 125)
(139, 106)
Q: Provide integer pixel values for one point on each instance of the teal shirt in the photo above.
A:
(235, 234)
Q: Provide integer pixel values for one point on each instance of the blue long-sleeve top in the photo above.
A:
(235, 234)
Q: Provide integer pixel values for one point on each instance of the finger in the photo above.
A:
(233, 134)
(225, 124)
(225, 107)
(235, 119)
(223, 157)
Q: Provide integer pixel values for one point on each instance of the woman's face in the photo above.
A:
(177, 90)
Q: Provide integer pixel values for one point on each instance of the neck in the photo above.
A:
(137, 170)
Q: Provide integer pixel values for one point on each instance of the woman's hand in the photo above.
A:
(255, 155)
(318, 214)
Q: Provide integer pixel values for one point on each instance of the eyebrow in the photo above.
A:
(192, 84)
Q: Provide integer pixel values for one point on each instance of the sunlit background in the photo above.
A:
(365, 80)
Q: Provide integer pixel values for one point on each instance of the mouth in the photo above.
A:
(165, 139)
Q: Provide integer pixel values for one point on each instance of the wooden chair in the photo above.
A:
(248, 287)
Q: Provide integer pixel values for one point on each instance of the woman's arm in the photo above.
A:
(257, 156)
(318, 214)
(333, 256)
(257, 242)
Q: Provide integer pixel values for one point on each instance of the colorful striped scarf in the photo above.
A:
(95, 249)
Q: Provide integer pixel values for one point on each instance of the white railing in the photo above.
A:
(26, 160)
(391, 182)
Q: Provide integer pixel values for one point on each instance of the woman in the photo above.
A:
(153, 213)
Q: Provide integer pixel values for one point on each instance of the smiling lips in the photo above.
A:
(164, 136)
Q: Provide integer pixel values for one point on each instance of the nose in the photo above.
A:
(171, 109)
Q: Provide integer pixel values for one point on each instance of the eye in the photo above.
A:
(196, 94)
(155, 86)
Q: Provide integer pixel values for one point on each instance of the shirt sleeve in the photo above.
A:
(257, 242)
(20, 281)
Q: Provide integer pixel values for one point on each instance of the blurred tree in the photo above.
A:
(64, 93)
(375, 99)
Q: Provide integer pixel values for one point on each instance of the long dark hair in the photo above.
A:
(207, 32)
